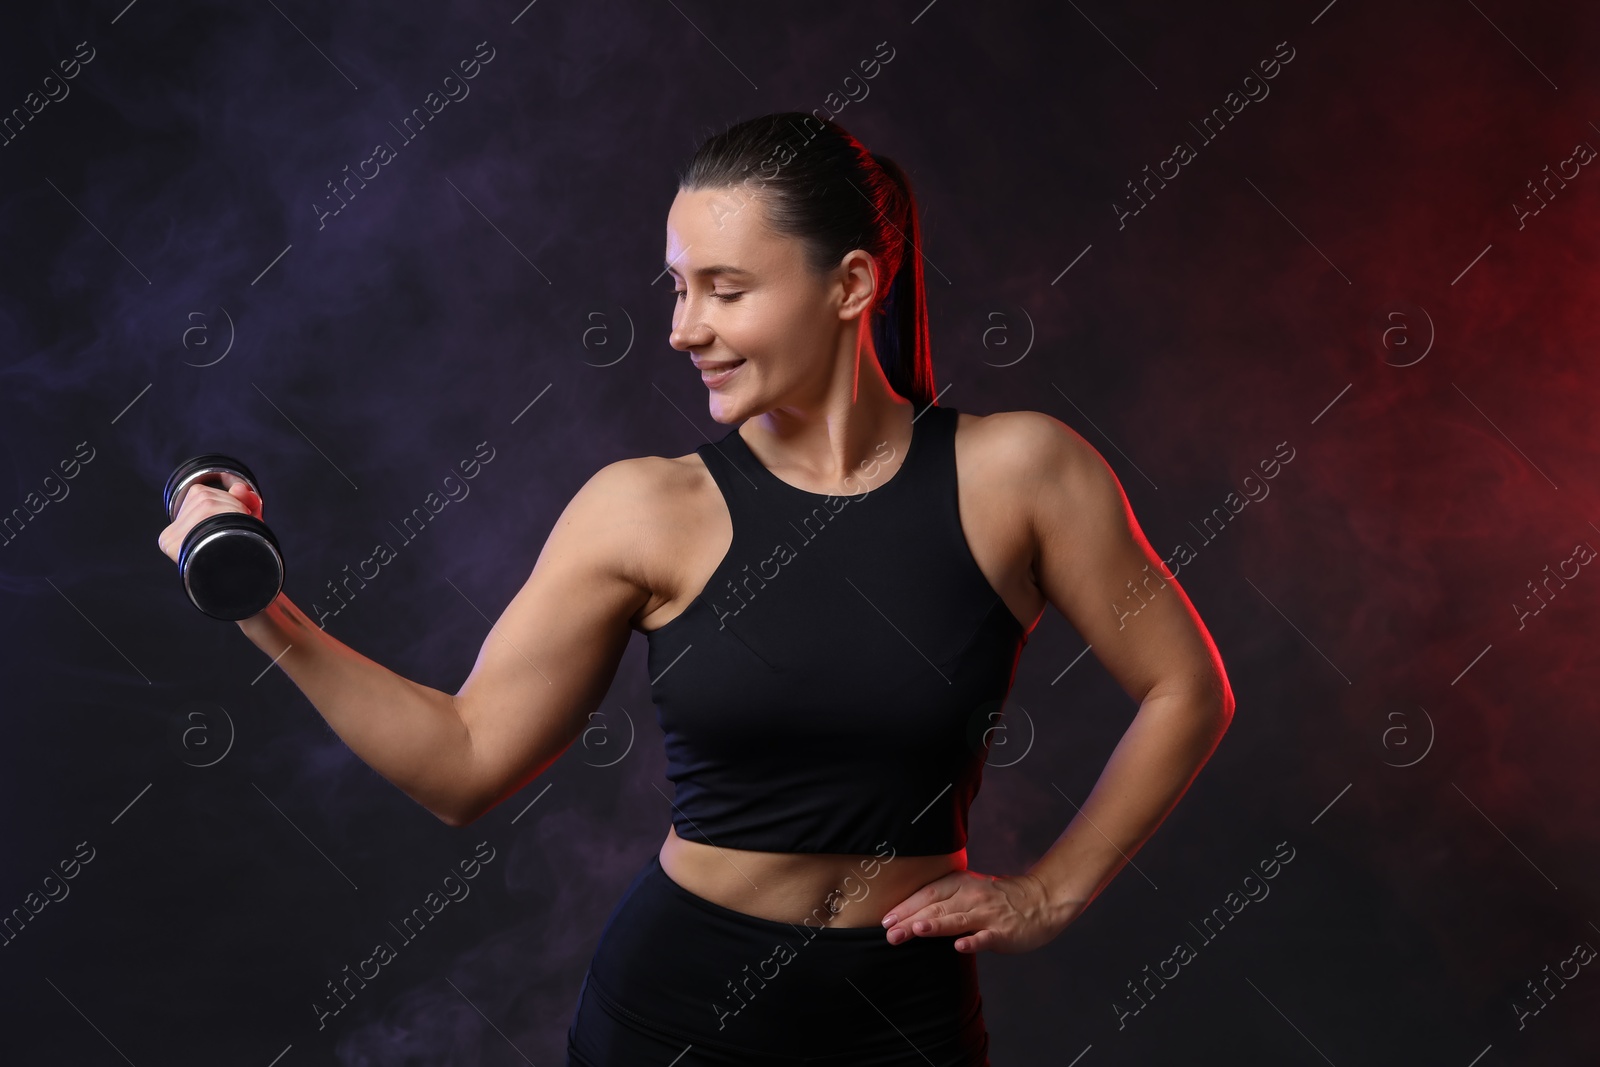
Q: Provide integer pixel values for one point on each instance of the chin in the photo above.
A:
(726, 411)
(729, 406)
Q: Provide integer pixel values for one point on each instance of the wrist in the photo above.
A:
(272, 626)
(1060, 907)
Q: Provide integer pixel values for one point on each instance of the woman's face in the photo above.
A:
(745, 298)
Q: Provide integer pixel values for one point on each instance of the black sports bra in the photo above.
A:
(833, 687)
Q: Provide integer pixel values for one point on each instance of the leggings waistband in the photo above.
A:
(681, 968)
(656, 874)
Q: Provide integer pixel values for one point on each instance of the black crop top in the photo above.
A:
(833, 687)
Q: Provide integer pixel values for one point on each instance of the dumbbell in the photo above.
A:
(230, 563)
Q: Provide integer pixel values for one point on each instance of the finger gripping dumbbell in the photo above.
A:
(230, 563)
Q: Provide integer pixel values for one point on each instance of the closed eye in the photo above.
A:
(729, 297)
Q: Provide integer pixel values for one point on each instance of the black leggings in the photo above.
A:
(681, 981)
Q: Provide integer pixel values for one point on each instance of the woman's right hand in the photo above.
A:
(201, 502)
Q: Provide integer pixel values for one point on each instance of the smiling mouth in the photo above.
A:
(714, 376)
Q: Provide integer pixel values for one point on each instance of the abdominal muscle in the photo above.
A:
(791, 886)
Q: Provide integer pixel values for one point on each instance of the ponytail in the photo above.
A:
(900, 325)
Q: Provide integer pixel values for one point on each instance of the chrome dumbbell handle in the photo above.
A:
(208, 469)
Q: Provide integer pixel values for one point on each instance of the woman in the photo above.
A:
(833, 618)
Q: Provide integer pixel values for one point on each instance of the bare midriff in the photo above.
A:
(836, 889)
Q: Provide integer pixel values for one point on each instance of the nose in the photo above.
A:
(688, 330)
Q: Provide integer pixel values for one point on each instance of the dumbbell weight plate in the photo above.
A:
(230, 563)
(231, 566)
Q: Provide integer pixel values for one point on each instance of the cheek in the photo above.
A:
(751, 332)
(790, 331)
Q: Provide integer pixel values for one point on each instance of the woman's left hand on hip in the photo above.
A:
(996, 913)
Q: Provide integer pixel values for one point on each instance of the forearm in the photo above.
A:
(409, 733)
(1159, 755)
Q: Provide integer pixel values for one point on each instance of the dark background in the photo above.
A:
(1425, 750)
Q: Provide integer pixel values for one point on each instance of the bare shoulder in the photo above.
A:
(1025, 447)
(653, 489)
(638, 481)
(1042, 477)
(646, 507)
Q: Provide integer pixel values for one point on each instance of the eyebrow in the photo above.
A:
(705, 272)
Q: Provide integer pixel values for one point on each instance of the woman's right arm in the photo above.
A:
(544, 667)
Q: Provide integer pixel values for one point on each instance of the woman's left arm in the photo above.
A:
(1094, 565)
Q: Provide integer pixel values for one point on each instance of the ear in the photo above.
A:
(859, 283)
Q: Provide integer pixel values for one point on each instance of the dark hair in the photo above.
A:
(822, 186)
